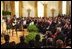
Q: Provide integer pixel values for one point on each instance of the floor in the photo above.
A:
(15, 37)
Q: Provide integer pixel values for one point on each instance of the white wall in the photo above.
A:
(52, 4)
(40, 9)
(28, 5)
(17, 8)
(63, 7)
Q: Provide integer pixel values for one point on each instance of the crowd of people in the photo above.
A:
(56, 31)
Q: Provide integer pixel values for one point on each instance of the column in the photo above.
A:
(8, 6)
(4, 5)
(20, 8)
(12, 8)
(36, 10)
(45, 10)
(68, 8)
(60, 7)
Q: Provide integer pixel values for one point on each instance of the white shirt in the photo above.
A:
(24, 22)
(31, 23)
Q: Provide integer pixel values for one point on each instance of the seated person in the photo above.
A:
(6, 44)
(22, 43)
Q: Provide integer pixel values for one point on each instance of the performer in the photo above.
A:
(24, 24)
(3, 26)
(13, 23)
(8, 25)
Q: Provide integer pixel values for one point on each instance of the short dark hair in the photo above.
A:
(6, 37)
(37, 37)
(22, 38)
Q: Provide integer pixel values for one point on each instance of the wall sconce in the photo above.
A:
(28, 10)
(53, 11)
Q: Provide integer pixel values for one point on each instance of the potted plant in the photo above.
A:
(6, 14)
(32, 28)
(30, 36)
(33, 31)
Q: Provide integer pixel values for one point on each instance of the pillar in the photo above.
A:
(68, 8)
(36, 10)
(60, 7)
(4, 5)
(20, 8)
(12, 8)
(45, 10)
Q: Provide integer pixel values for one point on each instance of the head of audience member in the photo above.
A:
(44, 42)
(59, 43)
(37, 38)
(68, 42)
(7, 38)
(58, 29)
(22, 39)
(48, 33)
(12, 44)
(50, 41)
(14, 16)
(31, 43)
